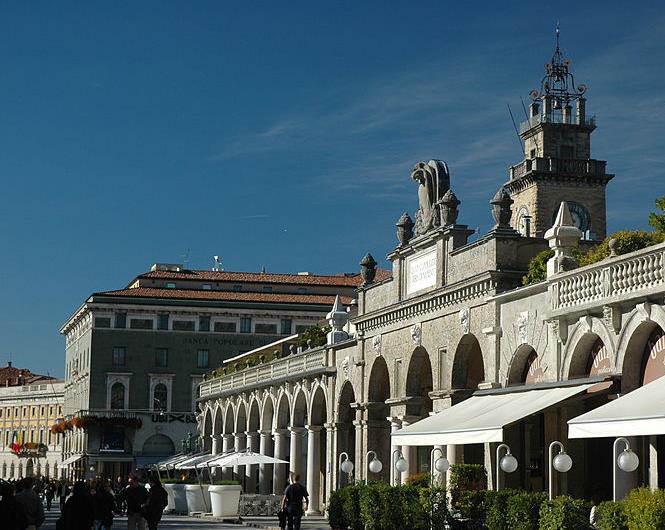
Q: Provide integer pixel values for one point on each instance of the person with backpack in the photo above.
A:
(157, 501)
(292, 502)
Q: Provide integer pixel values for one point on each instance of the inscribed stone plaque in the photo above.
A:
(421, 272)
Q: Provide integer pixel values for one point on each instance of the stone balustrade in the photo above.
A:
(306, 363)
(639, 273)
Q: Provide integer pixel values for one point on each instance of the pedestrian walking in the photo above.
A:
(31, 503)
(11, 512)
(136, 496)
(157, 501)
(103, 504)
(78, 513)
(63, 492)
(292, 503)
(49, 493)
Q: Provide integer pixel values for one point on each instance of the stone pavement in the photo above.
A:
(181, 522)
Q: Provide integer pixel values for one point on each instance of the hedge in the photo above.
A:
(645, 509)
(611, 516)
(564, 513)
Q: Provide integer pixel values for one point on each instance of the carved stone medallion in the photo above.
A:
(464, 316)
(416, 334)
(376, 344)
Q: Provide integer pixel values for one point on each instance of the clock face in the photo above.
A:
(579, 214)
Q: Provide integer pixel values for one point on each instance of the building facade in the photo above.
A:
(135, 356)
(452, 325)
(29, 405)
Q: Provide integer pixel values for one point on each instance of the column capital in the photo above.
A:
(314, 428)
(297, 430)
(239, 434)
(216, 436)
(251, 434)
(228, 436)
(332, 426)
(281, 432)
(265, 433)
(394, 421)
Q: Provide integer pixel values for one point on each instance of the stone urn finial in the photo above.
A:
(404, 229)
(368, 269)
(449, 208)
(501, 208)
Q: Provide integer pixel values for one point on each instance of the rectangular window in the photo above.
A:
(267, 289)
(245, 325)
(161, 357)
(119, 356)
(206, 287)
(183, 325)
(266, 328)
(204, 323)
(225, 327)
(140, 323)
(286, 326)
(170, 285)
(121, 320)
(202, 359)
(102, 322)
(302, 290)
(163, 322)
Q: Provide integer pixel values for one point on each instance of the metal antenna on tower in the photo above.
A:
(185, 257)
(217, 267)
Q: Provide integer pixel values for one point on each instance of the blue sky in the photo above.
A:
(280, 133)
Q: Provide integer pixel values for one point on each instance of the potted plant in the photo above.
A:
(225, 498)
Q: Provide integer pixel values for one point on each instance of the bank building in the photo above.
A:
(450, 351)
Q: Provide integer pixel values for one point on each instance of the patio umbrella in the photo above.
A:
(244, 458)
(191, 462)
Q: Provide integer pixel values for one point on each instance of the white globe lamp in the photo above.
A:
(442, 465)
(401, 465)
(375, 466)
(508, 463)
(628, 461)
(346, 466)
(562, 462)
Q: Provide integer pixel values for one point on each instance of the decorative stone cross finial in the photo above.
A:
(337, 318)
(563, 237)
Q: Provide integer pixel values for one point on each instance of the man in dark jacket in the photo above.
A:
(11, 512)
(78, 513)
(292, 501)
(103, 504)
(32, 504)
(136, 496)
(157, 501)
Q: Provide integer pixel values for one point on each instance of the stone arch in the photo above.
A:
(346, 433)
(268, 414)
(582, 341)
(378, 413)
(318, 411)
(254, 419)
(207, 429)
(217, 419)
(468, 365)
(158, 445)
(283, 411)
(229, 419)
(632, 341)
(419, 383)
(241, 418)
(524, 357)
(299, 416)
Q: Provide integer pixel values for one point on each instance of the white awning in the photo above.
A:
(481, 418)
(638, 413)
(68, 461)
(191, 463)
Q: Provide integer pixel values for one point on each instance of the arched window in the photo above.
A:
(160, 397)
(118, 396)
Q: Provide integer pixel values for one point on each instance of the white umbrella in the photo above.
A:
(245, 458)
(190, 463)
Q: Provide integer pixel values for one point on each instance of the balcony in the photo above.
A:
(571, 166)
(635, 275)
(291, 367)
(553, 118)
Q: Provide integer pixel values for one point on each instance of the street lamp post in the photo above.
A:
(345, 466)
(441, 464)
(375, 465)
(400, 465)
(561, 462)
(508, 462)
(627, 461)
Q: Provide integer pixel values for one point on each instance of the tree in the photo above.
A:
(657, 220)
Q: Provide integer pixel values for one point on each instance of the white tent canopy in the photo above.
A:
(638, 413)
(191, 463)
(245, 458)
(481, 418)
(67, 461)
(172, 461)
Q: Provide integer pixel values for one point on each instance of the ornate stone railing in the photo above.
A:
(292, 366)
(637, 273)
(573, 166)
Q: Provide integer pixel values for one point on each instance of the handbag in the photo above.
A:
(281, 515)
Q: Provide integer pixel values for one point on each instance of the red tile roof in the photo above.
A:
(11, 376)
(344, 280)
(231, 296)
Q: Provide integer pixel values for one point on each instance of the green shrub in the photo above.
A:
(626, 241)
(564, 513)
(466, 477)
(537, 268)
(471, 504)
(523, 510)
(496, 509)
(335, 509)
(434, 502)
(384, 507)
(420, 480)
(344, 508)
(645, 509)
(371, 506)
(611, 516)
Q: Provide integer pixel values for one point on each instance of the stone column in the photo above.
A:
(240, 444)
(395, 425)
(451, 454)
(265, 470)
(227, 446)
(439, 478)
(215, 450)
(409, 452)
(279, 470)
(295, 463)
(331, 457)
(653, 462)
(250, 471)
(314, 468)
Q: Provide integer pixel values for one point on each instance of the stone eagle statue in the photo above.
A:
(433, 182)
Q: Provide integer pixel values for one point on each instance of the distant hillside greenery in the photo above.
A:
(626, 241)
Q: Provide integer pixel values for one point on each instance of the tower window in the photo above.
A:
(532, 154)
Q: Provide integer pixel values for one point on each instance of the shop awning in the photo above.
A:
(638, 413)
(481, 418)
(70, 460)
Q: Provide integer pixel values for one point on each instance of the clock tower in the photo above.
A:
(557, 164)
